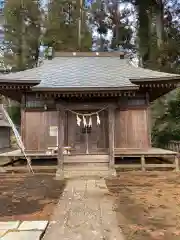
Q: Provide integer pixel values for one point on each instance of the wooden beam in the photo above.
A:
(85, 106)
(160, 165)
(57, 93)
(111, 117)
(134, 166)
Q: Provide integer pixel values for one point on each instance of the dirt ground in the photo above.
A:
(147, 204)
(28, 197)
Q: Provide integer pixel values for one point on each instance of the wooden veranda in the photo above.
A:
(167, 158)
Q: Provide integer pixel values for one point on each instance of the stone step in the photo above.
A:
(85, 169)
(86, 166)
(87, 158)
(77, 173)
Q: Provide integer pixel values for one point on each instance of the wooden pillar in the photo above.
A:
(61, 122)
(177, 163)
(143, 163)
(111, 116)
(23, 119)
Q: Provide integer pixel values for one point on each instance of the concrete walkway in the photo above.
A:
(84, 212)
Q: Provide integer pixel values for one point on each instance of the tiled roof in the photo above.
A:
(86, 72)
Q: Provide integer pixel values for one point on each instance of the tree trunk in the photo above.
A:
(101, 43)
(143, 30)
(159, 22)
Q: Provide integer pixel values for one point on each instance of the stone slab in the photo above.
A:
(87, 213)
(2, 232)
(33, 225)
(9, 225)
(23, 235)
(91, 185)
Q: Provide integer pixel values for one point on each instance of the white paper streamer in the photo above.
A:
(98, 120)
(78, 120)
(90, 122)
(84, 121)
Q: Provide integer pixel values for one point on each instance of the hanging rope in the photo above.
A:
(86, 114)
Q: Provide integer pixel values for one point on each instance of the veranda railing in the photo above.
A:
(174, 146)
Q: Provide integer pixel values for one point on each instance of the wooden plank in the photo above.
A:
(36, 132)
(146, 152)
(111, 117)
(127, 166)
(163, 165)
(24, 168)
(86, 158)
(146, 166)
(132, 128)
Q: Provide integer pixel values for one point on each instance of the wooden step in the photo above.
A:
(86, 166)
(85, 173)
(86, 158)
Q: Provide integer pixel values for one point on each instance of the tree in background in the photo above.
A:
(157, 21)
(165, 110)
(121, 27)
(62, 26)
(107, 18)
(22, 32)
(158, 38)
(166, 117)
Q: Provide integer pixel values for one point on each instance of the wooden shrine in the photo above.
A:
(87, 104)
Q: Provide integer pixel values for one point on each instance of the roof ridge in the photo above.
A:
(89, 54)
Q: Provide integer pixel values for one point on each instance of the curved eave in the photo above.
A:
(169, 79)
(19, 82)
(85, 89)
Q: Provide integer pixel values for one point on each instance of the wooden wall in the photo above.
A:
(35, 129)
(132, 128)
(4, 137)
(35, 126)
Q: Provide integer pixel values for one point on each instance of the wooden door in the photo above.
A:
(87, 139)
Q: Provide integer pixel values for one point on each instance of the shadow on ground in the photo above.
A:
(28, 197)
(147, 204)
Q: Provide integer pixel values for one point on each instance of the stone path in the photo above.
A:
(26, 230)
(84, 212)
